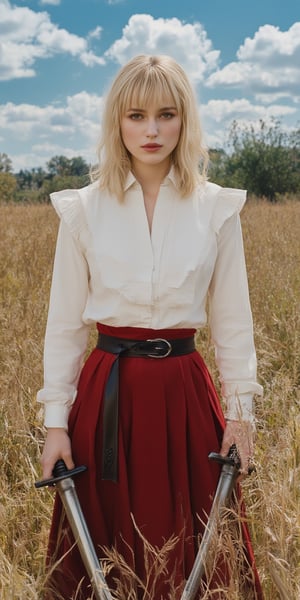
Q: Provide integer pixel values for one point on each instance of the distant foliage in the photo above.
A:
(5, 163)
(8, 186)
(35, 185)
(61, 182)
(62, 166)
(265, 161)
(32, 179)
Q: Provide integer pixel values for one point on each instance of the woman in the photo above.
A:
(139, 252)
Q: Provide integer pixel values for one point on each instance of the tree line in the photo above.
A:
(35, 185)
(263, 159)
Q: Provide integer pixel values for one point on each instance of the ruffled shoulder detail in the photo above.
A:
(228, 201)
(68, 206)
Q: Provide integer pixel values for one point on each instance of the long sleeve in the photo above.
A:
(231, 322)
(66, 333)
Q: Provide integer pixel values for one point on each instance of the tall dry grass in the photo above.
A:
(27, 238)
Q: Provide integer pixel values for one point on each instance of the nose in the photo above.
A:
(152, 127)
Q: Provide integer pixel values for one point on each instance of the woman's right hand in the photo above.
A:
(57, 445)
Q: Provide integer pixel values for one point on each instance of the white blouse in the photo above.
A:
(109, 268)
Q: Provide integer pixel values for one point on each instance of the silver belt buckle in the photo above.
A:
(168, 348)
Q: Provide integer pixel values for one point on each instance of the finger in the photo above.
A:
(224, 450)
(246, 472)
(47, 471)
(68, 460)
(48, 462)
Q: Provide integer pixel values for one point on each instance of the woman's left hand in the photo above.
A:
(240, 433)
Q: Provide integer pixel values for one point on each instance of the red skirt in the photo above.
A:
(148, 523)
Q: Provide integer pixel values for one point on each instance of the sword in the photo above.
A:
(230, 470)
(62, 478)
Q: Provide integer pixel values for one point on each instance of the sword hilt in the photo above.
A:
(60, 472)
(232, 459)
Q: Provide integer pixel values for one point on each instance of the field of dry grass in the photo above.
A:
(27, 237)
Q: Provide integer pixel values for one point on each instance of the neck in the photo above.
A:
(150, 176)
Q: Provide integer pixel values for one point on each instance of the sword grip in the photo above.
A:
(60, 472)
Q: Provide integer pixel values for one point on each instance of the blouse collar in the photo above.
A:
(131, 179)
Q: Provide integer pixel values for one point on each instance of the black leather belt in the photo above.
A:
(154, 348)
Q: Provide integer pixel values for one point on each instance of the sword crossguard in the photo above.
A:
(60, 472)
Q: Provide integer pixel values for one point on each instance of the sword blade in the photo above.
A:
(72, 507)
(62, 479)
(223, 493)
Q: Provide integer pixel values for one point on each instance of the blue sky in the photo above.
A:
(58, 57)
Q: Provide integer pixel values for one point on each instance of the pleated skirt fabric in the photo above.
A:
(147, 525)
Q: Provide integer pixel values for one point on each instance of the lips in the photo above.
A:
(152, 147)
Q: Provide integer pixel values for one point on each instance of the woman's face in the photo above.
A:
(151, 133)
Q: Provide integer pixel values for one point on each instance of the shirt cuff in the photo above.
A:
(56, 415)
(240, 408)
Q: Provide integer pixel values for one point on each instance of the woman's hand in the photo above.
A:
(57, 445)
(240, 433)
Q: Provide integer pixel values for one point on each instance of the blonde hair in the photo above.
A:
(142, 80)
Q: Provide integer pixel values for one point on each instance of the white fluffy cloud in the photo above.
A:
(221, 110)
(79, 113)
(188, 43)
(268, 64)
(274, 48)
(52, 2)
(27, 36)
(95, 33)
(44, 130)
